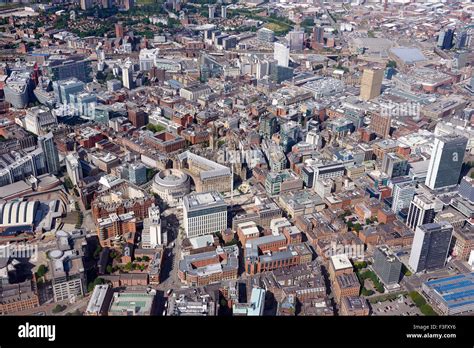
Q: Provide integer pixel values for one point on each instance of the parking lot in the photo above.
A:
(400, 307)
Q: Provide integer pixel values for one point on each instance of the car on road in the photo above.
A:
(169, 292)
(172, 245)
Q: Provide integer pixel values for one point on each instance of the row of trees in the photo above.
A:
(421, 303)
(373, 277)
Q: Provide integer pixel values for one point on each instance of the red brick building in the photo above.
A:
(346, 285)
(137, 117)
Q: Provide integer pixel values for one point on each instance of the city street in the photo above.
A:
(413, 282)
(169, 271)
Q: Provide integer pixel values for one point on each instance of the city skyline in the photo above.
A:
(237, 158)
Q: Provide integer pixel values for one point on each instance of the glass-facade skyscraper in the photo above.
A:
(50, 151)
(446, 161)
(445, 39)
(430, 246)
(387, 265)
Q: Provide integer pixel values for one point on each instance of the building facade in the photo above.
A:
(371, 84)
(387, 265)
(446, 162)
(204, 213)
(430, 246)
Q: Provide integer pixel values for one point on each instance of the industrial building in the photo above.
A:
(452, 295)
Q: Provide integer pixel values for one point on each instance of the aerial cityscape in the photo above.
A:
(236, 158)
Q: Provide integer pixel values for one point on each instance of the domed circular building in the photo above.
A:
(171, 185)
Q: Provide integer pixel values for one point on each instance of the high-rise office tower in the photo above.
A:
(137, 117)
(268, 126)
(281, 54)
(137, 173)
(380, 124)
(106, 3)
(402, 195)
(318, 37)
(153, 224)
(63, 89)
(448, 39)
(224, 11)
(128, 4)
(430, 246)
(281, 73)
(387, 265)
(212, 11)
(441, 36)
(313, 137)
(64, 67)
(394, 164)
(296, 40)
(119, 30)
(74, 169)
(46, 143)
(466, 189)
(445, 39)
(422, 210)
(127, 74)
(446, 161)
(461, 40)
(262, 69)
(86, 4)
(371, 84)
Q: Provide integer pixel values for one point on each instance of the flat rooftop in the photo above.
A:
(97, 299)
(140, 304)
(408, 54)
(341, 262)
(455, 291)
(203, 200)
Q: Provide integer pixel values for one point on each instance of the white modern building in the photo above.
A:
(39, 119)
(127, 75)
(152, 235)
(402, 195)
(74, 169)
(313, 137)
(147, 58)
(15, 213)
(66, 268)
(204, 213)
(422, 210)
(99, 300)
(212, 11)
(281, 53)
